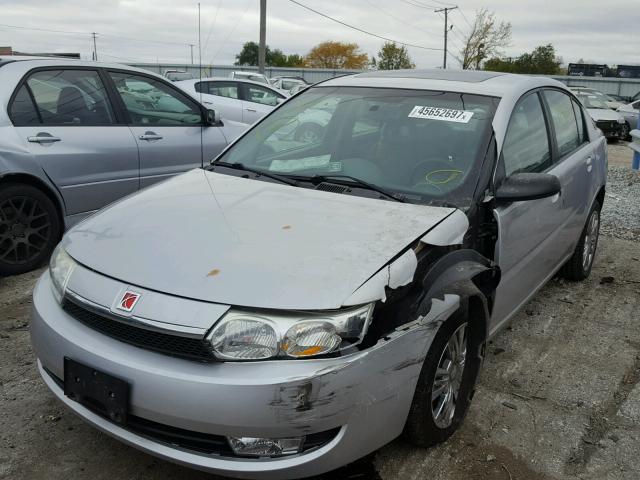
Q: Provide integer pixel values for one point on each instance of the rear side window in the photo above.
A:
(526, 144)
(68, 97)
(23, 112)
(565, 126)
(222, 89)
(257, 94)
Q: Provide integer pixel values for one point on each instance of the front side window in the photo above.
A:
(151, 102)
(67, 97)
(526, 144)
(257, 94)
(426, 146)
(564, 122)
(580, 119)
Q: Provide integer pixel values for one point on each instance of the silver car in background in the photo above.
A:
(239, 100)
(298, 304)
(76, 136)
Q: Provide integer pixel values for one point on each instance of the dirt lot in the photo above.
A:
(559, 396)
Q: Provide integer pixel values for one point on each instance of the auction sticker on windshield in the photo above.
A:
(438, 113)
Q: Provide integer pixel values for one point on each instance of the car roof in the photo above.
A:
(224, 79)
(493, 84)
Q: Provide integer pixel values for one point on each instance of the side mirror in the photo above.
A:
(212, 118)
(520, 187)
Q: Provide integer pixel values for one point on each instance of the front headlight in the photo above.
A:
(249, 336)
(61, 267)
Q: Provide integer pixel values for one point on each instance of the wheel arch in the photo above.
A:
(26, 179)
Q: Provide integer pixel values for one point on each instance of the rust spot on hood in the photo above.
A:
(213, 272)
(287, 227)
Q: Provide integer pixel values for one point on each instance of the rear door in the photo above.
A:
(76, 136)
(531, 234)
(167, 125)
(258, 101)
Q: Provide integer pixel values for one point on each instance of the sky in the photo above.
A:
(161, 30)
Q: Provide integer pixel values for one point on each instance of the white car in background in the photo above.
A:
(238, 100)
(611, 102)
(253, 76)
(631, 112)
(612, 123)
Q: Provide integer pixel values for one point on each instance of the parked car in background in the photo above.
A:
(612, 123)
(253, 76)
(296, 306)
(75, 136)
(239, 100)
(175, 75)
(611, 103)
(289, 84)
(631, 112)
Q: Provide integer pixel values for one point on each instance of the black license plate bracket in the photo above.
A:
(96, 390)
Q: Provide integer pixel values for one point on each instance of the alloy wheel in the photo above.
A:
(590, 240)
(25, 229)
(448, 378)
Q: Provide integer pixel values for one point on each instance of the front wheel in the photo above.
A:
(579, 265)
(446, 384)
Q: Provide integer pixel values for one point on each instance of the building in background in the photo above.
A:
(10, 51)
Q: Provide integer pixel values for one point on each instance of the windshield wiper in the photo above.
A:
(241, 166)
(359, 182)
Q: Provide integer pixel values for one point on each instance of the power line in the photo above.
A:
(465, 18)
(396, 18)
(215, 18)
(231, 32)
(45, 30)
(419, 5)
(363, 31)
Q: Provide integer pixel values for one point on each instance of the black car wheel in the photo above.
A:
(579, 265)
(29, 228)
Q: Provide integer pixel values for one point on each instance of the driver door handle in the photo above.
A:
(150, 136)
(588, 162)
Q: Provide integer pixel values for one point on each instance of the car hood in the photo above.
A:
(603, 114)
(244, 242)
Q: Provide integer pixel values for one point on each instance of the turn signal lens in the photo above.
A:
(309, 338)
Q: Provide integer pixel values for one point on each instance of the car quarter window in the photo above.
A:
(258, 94)
(151, 102)
(22, 111)
(563, 118)
(62, 97)
(526, 144)
(582, 133)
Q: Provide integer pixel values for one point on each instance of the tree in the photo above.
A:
(541, 61)
(487, 39)
(273, 58)
(393, 57)
(337, 55)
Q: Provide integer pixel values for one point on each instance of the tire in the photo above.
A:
(626, 130)
(578, 267)
(309, 133)
(423, 427)
(29, 228)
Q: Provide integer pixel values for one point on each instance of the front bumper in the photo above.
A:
(366, 395)
(611, 128)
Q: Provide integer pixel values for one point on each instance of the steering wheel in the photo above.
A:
(435, 173)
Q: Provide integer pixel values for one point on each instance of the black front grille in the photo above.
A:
(197, 441)
(184, 347)
(608, 126)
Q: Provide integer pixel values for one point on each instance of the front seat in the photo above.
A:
(72, 107)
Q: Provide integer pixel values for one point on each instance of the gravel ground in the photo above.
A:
(621, 211)
(558, 399)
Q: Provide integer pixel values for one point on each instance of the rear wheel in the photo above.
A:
(29, 228)
(579, 265)
(445, 387)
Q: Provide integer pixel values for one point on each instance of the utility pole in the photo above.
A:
(262, 49)
(95, 49)
(446, 31)
(191, 45)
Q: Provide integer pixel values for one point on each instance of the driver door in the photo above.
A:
(167, 126)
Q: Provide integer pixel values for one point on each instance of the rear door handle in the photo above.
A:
(251, 110)
(150, 136)
(43, 137)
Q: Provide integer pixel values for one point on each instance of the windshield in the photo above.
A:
(593, 100)
(426, 146)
